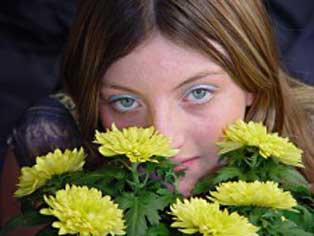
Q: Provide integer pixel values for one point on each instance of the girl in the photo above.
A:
(187, 67)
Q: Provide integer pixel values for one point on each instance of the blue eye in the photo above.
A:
(200, 94)
(123, 103)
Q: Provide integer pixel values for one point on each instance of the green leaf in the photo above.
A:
(293, 177)
(142, 211)
(302, 217)
(167, 197)
(165, 171)
(153, 204)
(158, 230)
(288, 228)
(135, 217)
(228, 173)
(203, 186)
(272, 222)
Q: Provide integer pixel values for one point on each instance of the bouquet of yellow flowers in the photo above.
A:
(257, 192)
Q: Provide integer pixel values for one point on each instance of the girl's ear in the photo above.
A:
(249, 99)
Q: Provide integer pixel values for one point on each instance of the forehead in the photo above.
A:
(158, 56)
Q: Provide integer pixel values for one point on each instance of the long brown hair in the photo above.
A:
(106, 30)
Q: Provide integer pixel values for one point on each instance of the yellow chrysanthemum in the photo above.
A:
(138, 144)
(255, 134)
(262, 194)
(198, 215)
(85, 212)
(54, 163)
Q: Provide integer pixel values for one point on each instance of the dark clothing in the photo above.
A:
(293, 22)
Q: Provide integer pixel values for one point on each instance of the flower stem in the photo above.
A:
(136, 179)
(145, 181)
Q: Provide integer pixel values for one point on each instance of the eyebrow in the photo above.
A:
(197, 77)
(185, 82)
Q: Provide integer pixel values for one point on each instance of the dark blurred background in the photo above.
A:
(33, 34)
(293, 22)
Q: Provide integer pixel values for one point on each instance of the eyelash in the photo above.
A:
(204, 88)
(115, 100)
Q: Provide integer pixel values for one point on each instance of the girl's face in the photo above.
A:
(180, 92)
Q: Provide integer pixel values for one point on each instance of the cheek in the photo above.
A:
(214, 121)
(104, 117)
(206, 137)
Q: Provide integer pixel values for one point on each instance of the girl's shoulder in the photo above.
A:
(49, 124)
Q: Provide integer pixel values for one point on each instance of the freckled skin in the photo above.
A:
(153, 73)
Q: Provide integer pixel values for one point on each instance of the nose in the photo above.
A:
(169, 123)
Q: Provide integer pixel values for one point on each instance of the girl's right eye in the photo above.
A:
(123, 103)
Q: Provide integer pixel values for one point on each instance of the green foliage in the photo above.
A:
(248, 165)
(204, 186)
(274, 222)
(304, 217)
(228, 173)
(144, 191)
(158, 230)
(288, 228)
(143, 210)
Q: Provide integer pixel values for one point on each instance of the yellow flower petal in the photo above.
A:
(198, 215)
(54, 163)
(262, 194)
(84, 211)
(138, 144)
(255, 134)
